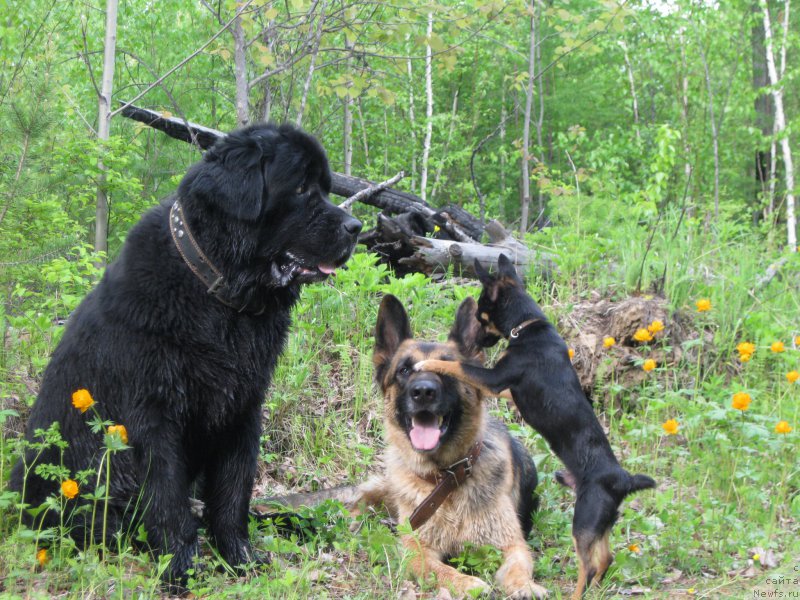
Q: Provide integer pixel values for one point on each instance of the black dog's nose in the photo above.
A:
(424, 390)
(351, 225)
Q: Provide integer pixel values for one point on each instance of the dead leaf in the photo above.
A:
(406, 591)
(673, 577)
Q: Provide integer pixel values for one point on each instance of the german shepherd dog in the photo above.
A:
(437, 427)
(537, 371)
(178, 342)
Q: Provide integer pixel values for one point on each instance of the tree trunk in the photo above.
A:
(764, 175)
(526, 127)
(629, 69)
(446, 148)
(714, 131)
(426, 147)
(780, 125)
(103, 127)
(240, 71)
(347, 141)
(311, 63)
(540, 118)
(413, 126)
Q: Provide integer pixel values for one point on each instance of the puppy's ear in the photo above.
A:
(467, 331)
(391, 329)
(483, 275)
(506, 267)
(231, 176)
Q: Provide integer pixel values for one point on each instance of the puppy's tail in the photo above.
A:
(640, 482)
(623, 483)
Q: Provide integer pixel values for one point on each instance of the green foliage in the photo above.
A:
(624, 218)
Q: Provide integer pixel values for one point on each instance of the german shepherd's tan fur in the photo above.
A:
(494, 505)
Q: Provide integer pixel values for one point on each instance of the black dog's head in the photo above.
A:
(504, 303)
(258, 203)
(430, 414)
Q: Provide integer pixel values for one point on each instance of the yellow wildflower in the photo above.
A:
(608, 342)
(571, 353)
(69, 487)
(670, 426)
(655, 327)
(792, 376)
(746, 348)
(120, 431)
(741, 401)
(703, 305)
(634, 548)
(797, 341)
(649, 365)
(41, 556)
(82, 400)
(745, 357)
(783, 427)
(777, 347)
(642, 335)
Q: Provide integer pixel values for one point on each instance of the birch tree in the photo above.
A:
(780, 124)
(104, 126)
(526, 126)
(426, 147)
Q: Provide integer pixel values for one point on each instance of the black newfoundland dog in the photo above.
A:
(179, 340)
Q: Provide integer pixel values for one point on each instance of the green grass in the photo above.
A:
(728, 483)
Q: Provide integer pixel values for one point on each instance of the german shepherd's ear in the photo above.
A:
(231, 176)
(466, 331)
(391, 329)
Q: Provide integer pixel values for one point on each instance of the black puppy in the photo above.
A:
(537, 371)
(179, 340)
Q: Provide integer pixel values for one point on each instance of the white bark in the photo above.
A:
(240, 71)
(348, 119)
(687, 148)
(311, 64)
(629, 69)
(413, 123)
(426, 147)
(104, 125)
(780, 125)
(714, 129)
(452, 127)
(526, 128)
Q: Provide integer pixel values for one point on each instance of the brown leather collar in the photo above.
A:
(446, 481)
(515, 332)
(196, 260)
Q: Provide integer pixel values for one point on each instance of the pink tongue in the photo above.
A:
(424, 437)
(326, 269)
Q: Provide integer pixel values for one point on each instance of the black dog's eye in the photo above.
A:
(301, 189)
(404, 371)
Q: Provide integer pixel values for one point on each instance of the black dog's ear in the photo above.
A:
(467, 331)
(231, 175)
(391, 329)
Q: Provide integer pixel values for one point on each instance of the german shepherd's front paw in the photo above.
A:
(529, 591)
(467, 585)
(420, 366)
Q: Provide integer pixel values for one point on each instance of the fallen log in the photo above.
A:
(389, 200)
(401, 236)
(404, 243)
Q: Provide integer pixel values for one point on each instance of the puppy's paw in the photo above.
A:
(420, 366)
(528, 591)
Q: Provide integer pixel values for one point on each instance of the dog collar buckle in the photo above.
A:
(515, 332)
(216, 285)
(460, 470)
